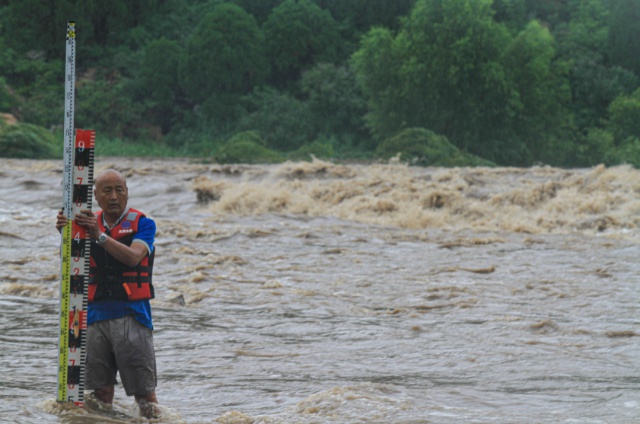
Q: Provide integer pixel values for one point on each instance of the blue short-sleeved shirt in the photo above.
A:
(141, 309)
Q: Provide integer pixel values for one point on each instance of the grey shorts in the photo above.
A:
(121, 345)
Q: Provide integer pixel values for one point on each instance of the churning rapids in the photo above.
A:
(328, 293)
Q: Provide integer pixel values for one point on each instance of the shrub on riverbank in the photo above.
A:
(26, 141)
(423, 147)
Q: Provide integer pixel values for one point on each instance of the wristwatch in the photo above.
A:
(102, 239)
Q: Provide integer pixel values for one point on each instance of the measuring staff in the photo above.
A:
(76, 195)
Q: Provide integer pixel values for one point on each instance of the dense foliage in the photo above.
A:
(423, 147)
(26, 141)
(464, 82)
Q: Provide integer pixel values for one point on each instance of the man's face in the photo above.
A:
(111, 194)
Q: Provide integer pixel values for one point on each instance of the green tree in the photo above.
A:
(224, 55)
(624, 33)
(441, 72)
(378, 65)
(40, 25)
(6, 99)
(624, 117)
(454, 70)
(335, 101)
(551, 12)
(110, 22)
(511, 13)
(7, 55)
(596, 146)
(299, 35)
(541, 115)
(158, 77)
(356, 17)
(624, 126)
(361, 15)
(105, 105)
(284, 122)
(32, 26)
(41, 101)
(259, 9)
(582, 43)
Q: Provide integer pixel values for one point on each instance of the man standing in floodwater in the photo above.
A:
(119, 324)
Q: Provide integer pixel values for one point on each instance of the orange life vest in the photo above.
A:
(110, 279)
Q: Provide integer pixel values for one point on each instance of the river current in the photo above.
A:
(315, 292)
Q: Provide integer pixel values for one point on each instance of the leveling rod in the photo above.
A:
(75, 253)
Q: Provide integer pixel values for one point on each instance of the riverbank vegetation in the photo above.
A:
(432, 82)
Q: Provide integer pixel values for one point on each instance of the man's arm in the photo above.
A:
(128, 255)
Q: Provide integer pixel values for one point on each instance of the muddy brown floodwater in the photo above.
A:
(329, 293)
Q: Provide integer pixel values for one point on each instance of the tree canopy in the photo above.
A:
(298, 35)
(512, 82)
(224, 55)
(485, 88)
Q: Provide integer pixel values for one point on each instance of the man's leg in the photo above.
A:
(149, 398)
(105, 394)
(146, 404)
(137, 364)
(101, 369)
